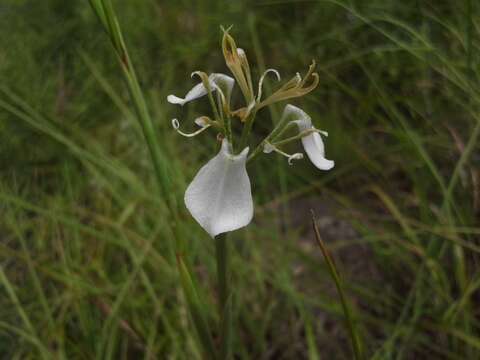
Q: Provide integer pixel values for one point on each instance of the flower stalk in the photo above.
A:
(220, 198)
(221, 254)
(299, 136)
(224, 296)
(247, 129)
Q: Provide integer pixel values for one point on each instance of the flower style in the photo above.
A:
(220, 197)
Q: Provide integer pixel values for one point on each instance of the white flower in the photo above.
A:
(312, 143)
(217, 81)
(220, 196)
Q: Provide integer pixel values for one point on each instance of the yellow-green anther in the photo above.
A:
(237, 62)
(294, 88)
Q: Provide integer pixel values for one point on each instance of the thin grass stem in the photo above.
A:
(354, 337)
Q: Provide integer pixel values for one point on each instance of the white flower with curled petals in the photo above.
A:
(220, 196)
(312, 143)
(217, 81)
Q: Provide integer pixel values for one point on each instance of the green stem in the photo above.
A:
(276, 132)
(221, 252)
(228, 127)
(216, 114)
(106, 13)
(355, 339)
(196, 308)
(282, 130)
(224, 298)
(296, 137)
(247, 129)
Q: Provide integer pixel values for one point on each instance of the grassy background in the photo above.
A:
(86, 256)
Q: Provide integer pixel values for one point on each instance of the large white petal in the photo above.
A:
(217, 80)
(312, 143)
(220, 196)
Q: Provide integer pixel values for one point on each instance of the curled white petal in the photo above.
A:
(217, 81)
(176, 126)
(315, 150)
(196, 92)
(219, 197)
(262, 78)
(172, 99)
(312, 143)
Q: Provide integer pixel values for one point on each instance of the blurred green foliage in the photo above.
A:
(85, 268)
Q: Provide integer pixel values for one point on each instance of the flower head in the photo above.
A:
(219, 197)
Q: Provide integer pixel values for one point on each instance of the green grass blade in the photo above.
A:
(196, 310)
(23, 315)
(354, 337)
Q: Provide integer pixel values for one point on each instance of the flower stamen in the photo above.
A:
(269, 147)
(294, 88)
(301, 135)
(237, 62)
(204, 125)
(260, 83)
